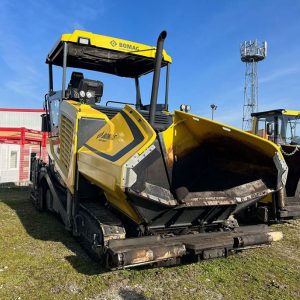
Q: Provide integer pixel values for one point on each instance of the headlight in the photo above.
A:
(182, 107)
(84, 41)
(88, 94)
(82, 94)
(185, 108)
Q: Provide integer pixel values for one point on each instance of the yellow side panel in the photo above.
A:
(114, 137)
(65, 161)
(103, 156)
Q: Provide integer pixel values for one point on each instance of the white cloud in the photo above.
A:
(233, 118)
(280, 73)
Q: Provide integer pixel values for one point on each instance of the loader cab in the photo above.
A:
(279, 126)
(82, 52)
(282, 127)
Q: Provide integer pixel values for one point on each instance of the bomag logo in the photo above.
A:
(113, 43)
(106, 136)
(124, 45)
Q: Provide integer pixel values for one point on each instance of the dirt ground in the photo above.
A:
(40, 260)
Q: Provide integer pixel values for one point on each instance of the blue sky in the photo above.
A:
(203, 40)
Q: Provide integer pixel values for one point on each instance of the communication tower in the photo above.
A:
(251, 53)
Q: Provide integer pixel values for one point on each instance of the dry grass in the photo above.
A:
(40, 260)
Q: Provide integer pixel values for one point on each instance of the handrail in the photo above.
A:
(119, 102)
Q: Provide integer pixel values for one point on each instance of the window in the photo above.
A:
(13, 161)
(261, 127)
(54, 116)
(53, 105)
(291, 130)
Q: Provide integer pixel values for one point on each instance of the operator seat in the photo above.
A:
(73, 85)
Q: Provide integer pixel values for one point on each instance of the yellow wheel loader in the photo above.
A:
(282, 127)
(138, 184)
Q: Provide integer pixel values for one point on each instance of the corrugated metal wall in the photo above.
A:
(30, 120)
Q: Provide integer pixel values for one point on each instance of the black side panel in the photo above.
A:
(87, 127)
(151, 170)
(293, 163)
(152, 180)
(159, 216)
(148, 209)
(162, 121)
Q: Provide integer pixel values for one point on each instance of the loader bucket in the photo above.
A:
(200, 172)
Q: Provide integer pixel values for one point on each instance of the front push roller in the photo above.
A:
(160, 250)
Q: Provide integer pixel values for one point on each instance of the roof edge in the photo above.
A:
(22, 109)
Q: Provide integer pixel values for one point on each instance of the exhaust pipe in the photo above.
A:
(156, 75)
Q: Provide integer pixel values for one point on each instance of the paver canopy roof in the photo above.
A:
(105, 54)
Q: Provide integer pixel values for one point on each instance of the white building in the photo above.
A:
(20, 136)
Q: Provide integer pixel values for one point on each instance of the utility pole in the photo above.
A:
(213, 109)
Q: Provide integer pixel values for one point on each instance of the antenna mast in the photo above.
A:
(251, 53)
